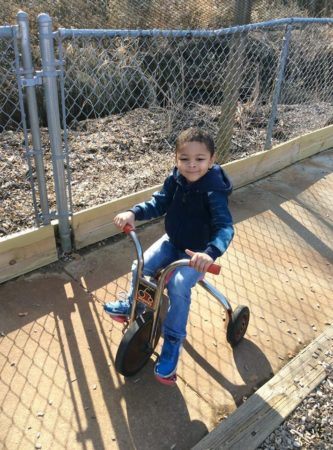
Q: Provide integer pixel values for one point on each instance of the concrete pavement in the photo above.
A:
(58, 385)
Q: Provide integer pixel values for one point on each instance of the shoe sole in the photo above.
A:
(120, 319)
(169, 381)
(112, 314)
(172, 377)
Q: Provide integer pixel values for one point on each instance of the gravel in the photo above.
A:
(310, 426)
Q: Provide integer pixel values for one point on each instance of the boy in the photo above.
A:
(198, 226)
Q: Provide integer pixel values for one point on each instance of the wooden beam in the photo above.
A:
(94, 224)
(31, 249)
(265, 410)
(27, 250)
(261, 164)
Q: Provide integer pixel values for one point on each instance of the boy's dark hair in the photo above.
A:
(196, 135)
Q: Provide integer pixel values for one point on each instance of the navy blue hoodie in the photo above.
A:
(197, 216)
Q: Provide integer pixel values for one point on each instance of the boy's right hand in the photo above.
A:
(124, 218)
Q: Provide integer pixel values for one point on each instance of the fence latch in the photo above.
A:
(37, 79)
(34, 81)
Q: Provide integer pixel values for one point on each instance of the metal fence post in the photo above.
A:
(277, 87)
(53, 119)
(29, 82)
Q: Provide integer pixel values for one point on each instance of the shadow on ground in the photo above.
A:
(58, 383)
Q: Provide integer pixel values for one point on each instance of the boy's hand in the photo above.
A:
(123, 218)
(199, 261)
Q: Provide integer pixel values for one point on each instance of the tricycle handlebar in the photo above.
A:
(213, 268)
(128, 228)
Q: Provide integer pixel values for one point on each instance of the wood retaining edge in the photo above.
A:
(28, 250)
(95, 224)
(262, 164)
(248, 426)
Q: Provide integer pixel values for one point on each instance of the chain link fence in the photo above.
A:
(113, 72)
(309, 70)
(10, 115)
(124, 96)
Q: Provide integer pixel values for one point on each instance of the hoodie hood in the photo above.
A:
(214, 180)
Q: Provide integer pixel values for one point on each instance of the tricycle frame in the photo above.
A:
(160, 285)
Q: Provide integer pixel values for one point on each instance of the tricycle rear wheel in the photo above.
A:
(238, 325)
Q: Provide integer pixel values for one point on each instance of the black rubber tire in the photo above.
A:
(238, 325)
(134, 350)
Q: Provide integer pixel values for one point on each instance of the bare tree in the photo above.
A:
(232, 82)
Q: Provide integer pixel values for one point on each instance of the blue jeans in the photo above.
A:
(158, 256)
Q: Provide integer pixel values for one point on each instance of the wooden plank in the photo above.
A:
(265, 410)
(25, 251)
(94, 224)
(262, 164)
(315, 142)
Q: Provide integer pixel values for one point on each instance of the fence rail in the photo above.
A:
(110, 96)
(78, 32)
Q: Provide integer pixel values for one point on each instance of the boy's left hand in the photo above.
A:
(199, 261)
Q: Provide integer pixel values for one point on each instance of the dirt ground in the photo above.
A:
(58, 385)
(125, 153)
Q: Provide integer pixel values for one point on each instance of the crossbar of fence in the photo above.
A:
(76, 32)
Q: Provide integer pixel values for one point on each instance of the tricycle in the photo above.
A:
(142, 331)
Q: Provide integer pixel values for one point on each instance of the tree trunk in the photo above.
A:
(232, 82)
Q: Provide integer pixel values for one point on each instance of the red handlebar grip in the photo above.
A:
(214, 269)
(128, 228)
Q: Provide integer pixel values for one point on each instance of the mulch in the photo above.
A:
(121, 154)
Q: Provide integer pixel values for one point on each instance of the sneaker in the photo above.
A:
(166, 365)
(120, 308)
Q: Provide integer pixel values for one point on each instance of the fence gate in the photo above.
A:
(13, 117)
(19, 113)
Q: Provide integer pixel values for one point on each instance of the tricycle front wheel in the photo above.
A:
(135, 350)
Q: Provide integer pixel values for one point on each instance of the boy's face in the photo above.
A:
(193, 160)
